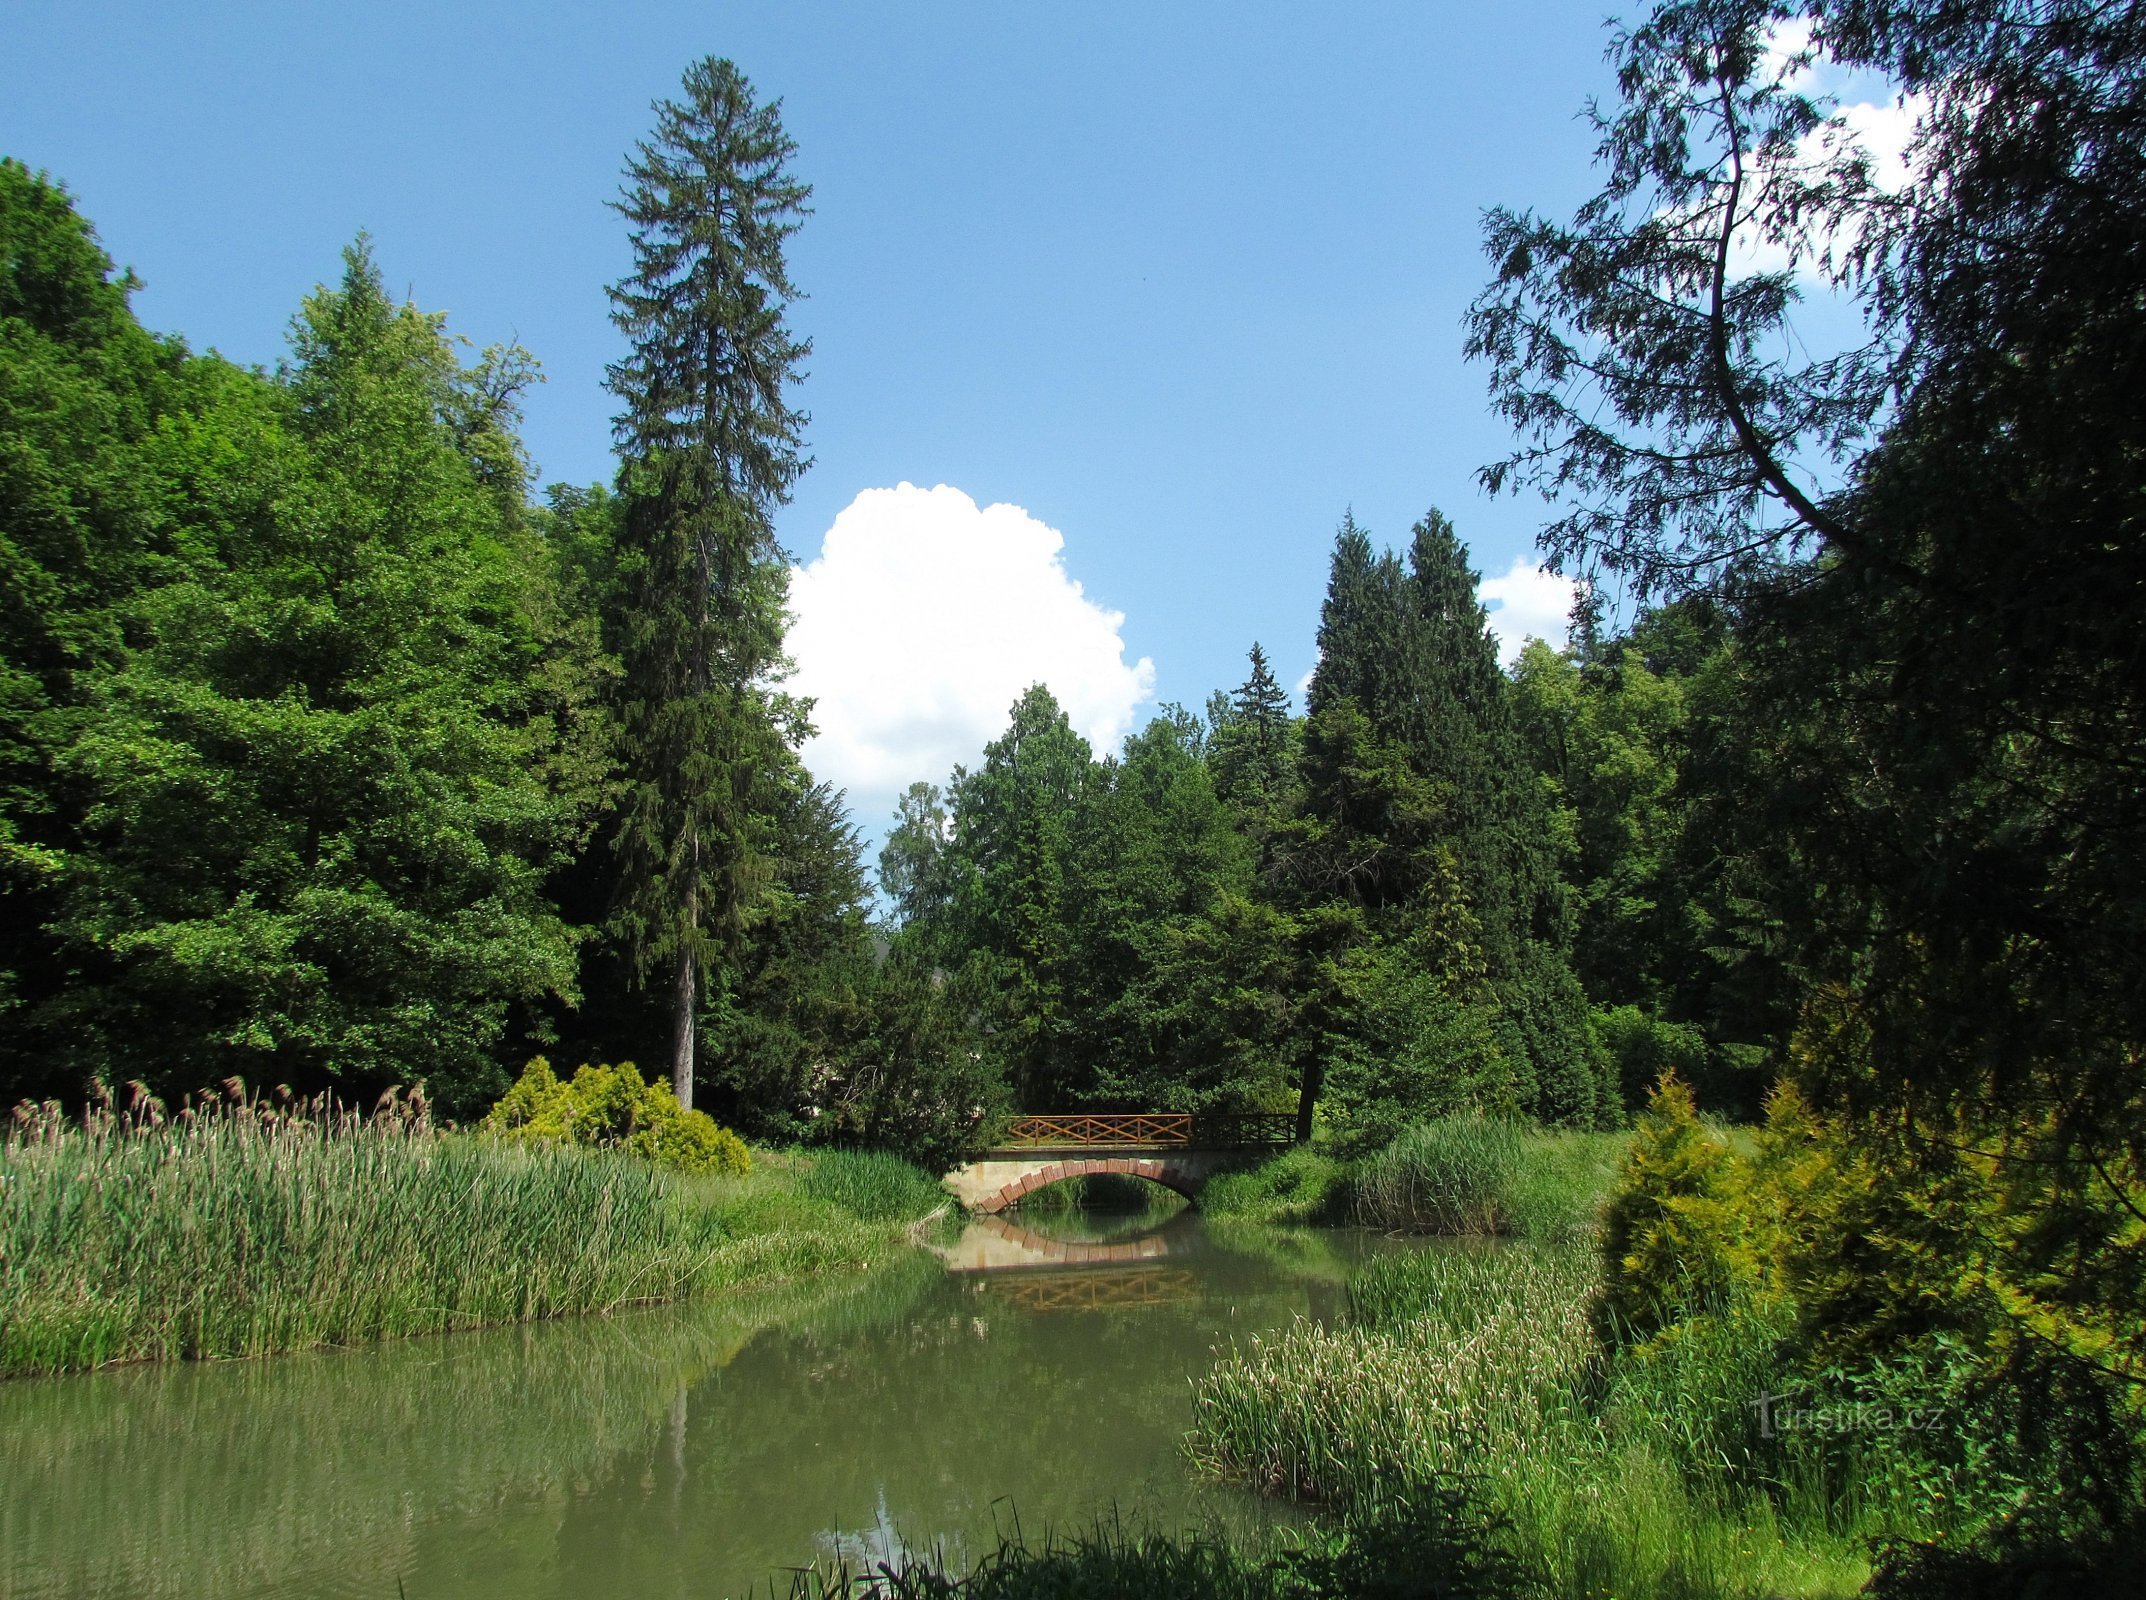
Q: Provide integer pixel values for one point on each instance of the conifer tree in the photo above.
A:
(709, 446)
(1408, 646)
(1251, 742)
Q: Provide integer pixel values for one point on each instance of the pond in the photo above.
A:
(1033, 1371)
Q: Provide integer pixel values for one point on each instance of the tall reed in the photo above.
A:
(257, 1225)
(1476, 1361)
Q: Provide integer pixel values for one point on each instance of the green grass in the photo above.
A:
(246, 1229)
(1635, 1476)
(1440, 1546)
(870, 1184)
(1301, 1185)
(1459, 1175)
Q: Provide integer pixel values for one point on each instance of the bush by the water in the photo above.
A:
(1619, 1475)
(261, 1225)
(1302, 1184)
(1651, 1408)
(615, 1108)
(1673, 1235)
(871, 1183)
(1449, 1176)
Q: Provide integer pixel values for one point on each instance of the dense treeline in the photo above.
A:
(291, 691)
(337, 760)
(1360, 913)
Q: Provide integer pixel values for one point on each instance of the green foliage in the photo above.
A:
(316, 799)
(1642, 1050)
(709, 446)
(1251, 744)
(909, 861)
(871, 1184)
(1471, 1175)
(2018, 1561)
(614, 1108)
(1437, 1543)
(1940, 653)
(1405, 648)
(1101, 917)
(1647, 763)
(1461, 1175)
(1674, 1239)
(1449, 1176)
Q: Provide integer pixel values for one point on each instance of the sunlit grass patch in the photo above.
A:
(1477, 1360)
(256, 1226)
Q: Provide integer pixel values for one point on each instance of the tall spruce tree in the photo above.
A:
(1461, 727)
(709, 446)
(1251, 742)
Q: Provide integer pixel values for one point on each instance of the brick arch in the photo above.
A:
(1156, 1170)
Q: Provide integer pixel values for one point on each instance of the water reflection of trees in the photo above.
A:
(340, 1472)
(695, 1448)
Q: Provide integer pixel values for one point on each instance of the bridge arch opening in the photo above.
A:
(1111, 1193)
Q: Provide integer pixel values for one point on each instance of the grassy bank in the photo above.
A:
(1624, 1476)
(1438, 1550)
(1462, 1175)
(247, 1229)
(1638, 1473)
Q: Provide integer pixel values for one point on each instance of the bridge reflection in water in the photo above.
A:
(1040, 1271)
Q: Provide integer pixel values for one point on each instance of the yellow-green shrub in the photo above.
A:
(1675, 1239)
(615, 1108)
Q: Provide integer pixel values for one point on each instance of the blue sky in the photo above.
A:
(1180, 281)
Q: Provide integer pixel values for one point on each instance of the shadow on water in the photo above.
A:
(1042, 1372)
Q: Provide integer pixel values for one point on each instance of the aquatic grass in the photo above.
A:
(1448, 1176)
(1457, 1175)
(1471, 1378)
(1440, 1544)
(1479, 1175)
(255, 1226)
(1301, 1185)
(1619, 1478)
(870, 1183)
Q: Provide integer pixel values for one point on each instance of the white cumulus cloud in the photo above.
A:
(1867, 113)
(920, 623)
(1528, 602)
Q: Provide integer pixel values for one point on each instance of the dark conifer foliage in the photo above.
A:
(1409, 647)
(709, 445)
(1251, 755)
(1930, 832)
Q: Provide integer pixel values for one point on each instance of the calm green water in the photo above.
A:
(1039, 1372)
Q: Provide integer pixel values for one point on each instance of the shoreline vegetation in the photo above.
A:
(1479, 1419)
(1466, 1176)
(258, 1225)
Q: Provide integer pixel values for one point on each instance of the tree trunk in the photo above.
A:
(1308, 1099)
(682, 1031)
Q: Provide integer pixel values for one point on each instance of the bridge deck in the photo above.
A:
(1113, 1132)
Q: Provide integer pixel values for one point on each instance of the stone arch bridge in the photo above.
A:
(1177, 1149)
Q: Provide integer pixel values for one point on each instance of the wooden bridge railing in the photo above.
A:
(1254, 1130)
